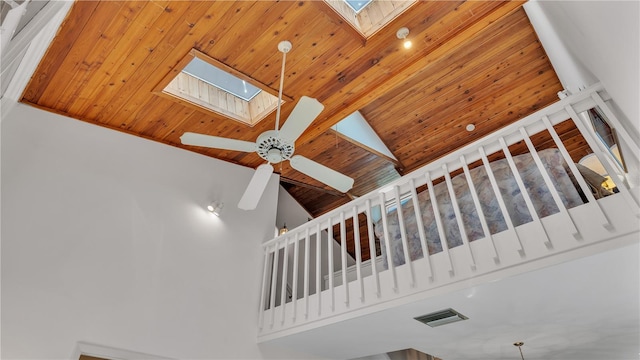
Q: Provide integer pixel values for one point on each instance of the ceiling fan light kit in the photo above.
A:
(276, 146)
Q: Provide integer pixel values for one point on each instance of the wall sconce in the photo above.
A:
(215, 207)
(402, 34)
(283, 230)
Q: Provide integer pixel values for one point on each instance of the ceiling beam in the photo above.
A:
(312, 187)
(395, 162)
(387, 82)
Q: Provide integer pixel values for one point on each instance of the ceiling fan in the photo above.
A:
(276, 146)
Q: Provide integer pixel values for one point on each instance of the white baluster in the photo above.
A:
(372, 248)
(343, 256)
(285, 270)
(263, 287)
(547, 180)
(387, 244)
(501, 204)
(296, 270)
(420, 225)
(436, 213)
(319, 268)
(274, 281)
(330, 241)
(356, 243)
(476, 202)
(403, 237)
(306, 272)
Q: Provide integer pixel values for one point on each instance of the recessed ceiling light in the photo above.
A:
(470, 127)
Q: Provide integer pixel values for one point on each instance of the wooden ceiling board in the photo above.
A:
(472, 61)
(353, 160)
(71, 28)
(457, 81)
(147, 66)
(382, 56)
(447, 77)
(350, 236)
(149, 18)
(322, 202)
(124, 72)
(104, 34)
(481, 110)
(233, 37)
(413, 64)
(291, 26)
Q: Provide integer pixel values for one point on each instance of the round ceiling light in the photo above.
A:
(402, 34)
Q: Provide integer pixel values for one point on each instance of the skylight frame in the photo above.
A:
(219, 78)
(200, 95)
(355, 8)
(372, 17)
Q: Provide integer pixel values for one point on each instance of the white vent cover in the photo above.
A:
(441, 317)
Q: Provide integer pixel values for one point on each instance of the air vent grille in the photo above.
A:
(441, 317)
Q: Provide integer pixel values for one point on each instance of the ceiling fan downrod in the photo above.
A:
(284, 47)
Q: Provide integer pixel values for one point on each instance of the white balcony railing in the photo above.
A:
(494, 213)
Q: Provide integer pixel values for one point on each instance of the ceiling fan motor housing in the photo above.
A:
(272, 148)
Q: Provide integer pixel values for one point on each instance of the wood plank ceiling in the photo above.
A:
(474, 62)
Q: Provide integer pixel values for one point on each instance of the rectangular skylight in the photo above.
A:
(358, 5)
(221, 79)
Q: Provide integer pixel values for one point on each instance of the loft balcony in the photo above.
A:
(550, 209)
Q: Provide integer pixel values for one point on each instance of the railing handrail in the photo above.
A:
(485, 208)
(556, 113)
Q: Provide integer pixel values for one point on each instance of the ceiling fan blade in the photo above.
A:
(322, 173)
(217, 142)
(306, 110)
(256, 187)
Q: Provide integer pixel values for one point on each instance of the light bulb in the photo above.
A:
(402, 34)
(215, 207)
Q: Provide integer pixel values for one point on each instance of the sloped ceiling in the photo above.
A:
(474, 62)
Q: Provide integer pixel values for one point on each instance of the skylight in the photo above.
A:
(367, 16)
(206, 84)
(356, 127)
(222, 80)
(358, 5)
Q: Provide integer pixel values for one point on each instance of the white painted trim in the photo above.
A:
(107, 352)
(35, 37)
(32, 29)
(571, 72)
(11, 21)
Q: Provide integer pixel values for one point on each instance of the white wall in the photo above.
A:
(105, 240)
(294, 215)
(605, 37)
